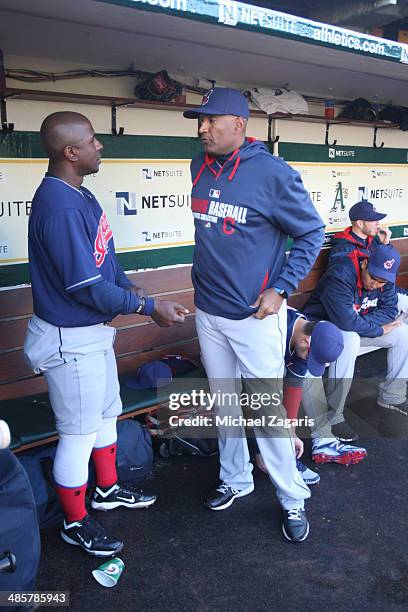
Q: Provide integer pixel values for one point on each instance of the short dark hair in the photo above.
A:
(309, 327)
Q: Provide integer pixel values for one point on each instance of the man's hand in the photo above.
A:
(268, 303)
(139, 291)
(388, 327)
(384, 235)
(166, 313)
(299, 446)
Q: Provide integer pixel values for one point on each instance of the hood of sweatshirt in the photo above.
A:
(347, 237)
(229, 164)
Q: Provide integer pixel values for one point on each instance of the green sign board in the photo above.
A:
(266, 21)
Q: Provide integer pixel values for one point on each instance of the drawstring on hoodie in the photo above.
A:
(235, 168)
(209, 160)
(354, 256)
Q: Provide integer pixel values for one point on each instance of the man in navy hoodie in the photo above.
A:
(358, 294)
(364, 235)
(245, 204)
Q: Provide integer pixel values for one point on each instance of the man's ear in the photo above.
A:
(240, 123)
(69, 153)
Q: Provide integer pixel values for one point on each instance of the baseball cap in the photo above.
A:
(384, 262)
(179, 365)
(365, 211)
(326, 345)
(220, 101)
(151, 375)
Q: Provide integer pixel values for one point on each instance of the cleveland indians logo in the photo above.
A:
(389, 263)
(101, 241)
(206, 97)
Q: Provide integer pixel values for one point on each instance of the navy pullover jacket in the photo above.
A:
(347, 241)
(341, 298)
(244, 208)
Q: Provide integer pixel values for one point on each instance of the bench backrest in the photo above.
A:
(138, 339)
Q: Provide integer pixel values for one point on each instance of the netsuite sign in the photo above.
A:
(239, 14)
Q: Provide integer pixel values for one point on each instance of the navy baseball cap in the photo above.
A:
(151, 375)
(384, 262)
(365, 211)
(179, 365)
(220, 101)
(326, 345)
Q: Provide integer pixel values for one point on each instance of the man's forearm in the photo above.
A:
(302, 256)
(112, 300)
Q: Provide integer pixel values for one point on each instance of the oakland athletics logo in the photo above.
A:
(338, 199)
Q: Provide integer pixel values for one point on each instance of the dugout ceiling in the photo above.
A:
(193, 43)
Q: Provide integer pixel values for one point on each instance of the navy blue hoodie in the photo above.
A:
(340, 297)
(244, 209)
(347, 241)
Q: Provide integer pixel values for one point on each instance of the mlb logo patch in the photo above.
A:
(215, 193)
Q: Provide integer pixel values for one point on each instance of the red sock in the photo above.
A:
(72, 500)
(292, 396)
(105, 464)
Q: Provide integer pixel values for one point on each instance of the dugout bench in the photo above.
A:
(24, 402)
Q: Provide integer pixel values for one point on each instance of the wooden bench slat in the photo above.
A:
(185, 298)
(17, 302)
(37, 384)
(149, 336)
(12, 332)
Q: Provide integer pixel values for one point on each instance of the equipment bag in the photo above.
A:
(38, 464)
(134, 462)
(177, 440)
(134, 458)
(18, 525)
(359, 109)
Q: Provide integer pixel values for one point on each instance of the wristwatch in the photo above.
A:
(281, 292)
(142, 305)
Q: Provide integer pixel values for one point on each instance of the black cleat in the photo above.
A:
(402, 408)
(92, 537)
(295, 525)
(118, 495)
(223, 496)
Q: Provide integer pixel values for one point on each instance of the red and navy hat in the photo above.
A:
(384, 262)
(220, 101)
(326, 345)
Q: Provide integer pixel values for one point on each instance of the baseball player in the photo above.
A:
(78, 288)
(358, 294)
(245, 203)
(310, 347)
(364, 235)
